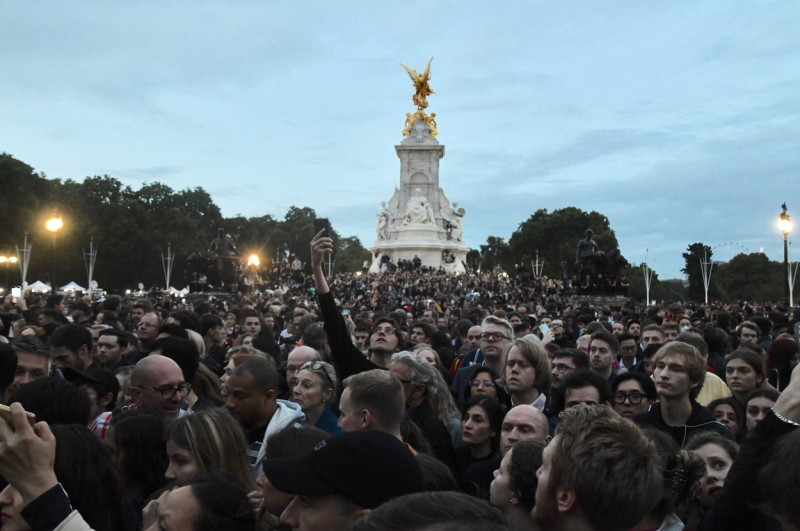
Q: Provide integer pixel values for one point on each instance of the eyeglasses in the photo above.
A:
(628, 349)
(485, 383)
(562, 367)
(316, 366)
(494, 336)
(168, 392)
(634, 398)
(387, 330)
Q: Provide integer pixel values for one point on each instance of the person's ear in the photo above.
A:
(136, 394)
(83, 353)
(327, 395)
(566, 500)
(357, 514)
(422, 388)
(366, 419)
(269, 396)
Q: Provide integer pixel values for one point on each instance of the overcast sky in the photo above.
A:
(677, 120)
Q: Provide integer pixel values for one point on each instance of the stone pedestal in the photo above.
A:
(419, 220)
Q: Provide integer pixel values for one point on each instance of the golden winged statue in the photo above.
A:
(421, 84)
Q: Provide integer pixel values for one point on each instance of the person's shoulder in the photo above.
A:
(650, 416)
(463, 373)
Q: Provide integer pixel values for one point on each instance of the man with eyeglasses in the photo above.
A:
(633, 393)
(496, 333)
(628, 350)
(560, 338)
(157, 383)
(385, 337)
(565, 361)
(147, 332)
(294, 361)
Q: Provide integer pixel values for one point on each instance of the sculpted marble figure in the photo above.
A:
(453, 217)
(418, 210)
(384, 218)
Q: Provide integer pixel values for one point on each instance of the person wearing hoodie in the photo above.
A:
(679, 373)
(252, 400)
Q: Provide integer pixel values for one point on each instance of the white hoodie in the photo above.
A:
(286, 414)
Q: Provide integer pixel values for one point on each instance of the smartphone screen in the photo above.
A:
(323, 223)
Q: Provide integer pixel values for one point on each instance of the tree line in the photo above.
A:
(132, 228)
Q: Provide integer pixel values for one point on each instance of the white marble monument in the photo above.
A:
(419, 220)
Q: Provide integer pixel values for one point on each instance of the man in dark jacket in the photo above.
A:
(679, 373)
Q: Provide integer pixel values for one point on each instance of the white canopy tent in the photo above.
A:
(38, 286)
(72, 286)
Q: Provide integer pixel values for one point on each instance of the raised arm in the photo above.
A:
(320, 246)
(346, 356)
(736, 507)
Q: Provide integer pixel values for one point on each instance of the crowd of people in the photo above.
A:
(405, 400)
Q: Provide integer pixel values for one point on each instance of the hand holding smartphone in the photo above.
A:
(323, 223)
(5, 412)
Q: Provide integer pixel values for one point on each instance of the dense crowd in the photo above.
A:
(413, 399)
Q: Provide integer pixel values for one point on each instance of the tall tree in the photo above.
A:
(351, 254)
(555, 236)
(496, 252)
(695, 256)
(751, 277)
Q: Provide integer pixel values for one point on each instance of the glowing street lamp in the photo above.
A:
(7, 261)
(253, 260)
(54, 224)
(785, 226)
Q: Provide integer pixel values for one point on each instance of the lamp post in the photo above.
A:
(54, 224)
(7, 261)
(785, 226)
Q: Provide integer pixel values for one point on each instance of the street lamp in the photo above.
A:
(54, 224)
(253, 260)
(7, 261)
(785, 226)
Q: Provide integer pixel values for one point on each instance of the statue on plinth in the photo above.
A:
(419, 210)
(420, 99)
(421, 84)
(452, 217)
(384, 218)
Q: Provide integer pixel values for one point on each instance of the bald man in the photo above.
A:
(157, 383)
(521, 423)
(297, 357)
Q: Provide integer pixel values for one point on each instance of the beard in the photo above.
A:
(545, 511)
